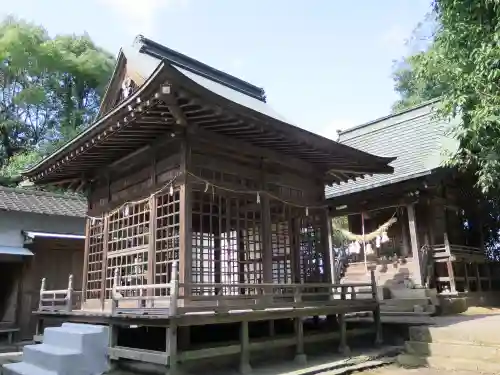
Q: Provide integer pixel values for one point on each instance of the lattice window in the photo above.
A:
(131, 269)
(281, 244)
(129, 227)
(167, 235)
(251, 239)
(311, 249)
(128, 238)
(225, 241)
(95, 258)
(205, 252)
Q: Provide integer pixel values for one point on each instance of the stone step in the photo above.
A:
(406, 301)
(23, 368)
(403, 308)
(53, 358)
(454, 350)
(456, 333)
(449, 364)
(74, 337)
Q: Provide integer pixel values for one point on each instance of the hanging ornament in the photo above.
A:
(206, 187)
(350, 248)
(171, 191)
(355, 247)
(307, 211)
(378, 239)
(125, 210)
(369, 249)
(258, 197)
(384, 238)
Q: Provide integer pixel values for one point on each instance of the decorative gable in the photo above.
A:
(129, 74)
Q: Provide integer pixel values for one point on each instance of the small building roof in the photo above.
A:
(201, 97)
(39, 202)
(417, 137)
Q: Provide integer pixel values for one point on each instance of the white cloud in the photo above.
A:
(140, 16)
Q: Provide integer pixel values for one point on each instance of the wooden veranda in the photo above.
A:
(205, 207)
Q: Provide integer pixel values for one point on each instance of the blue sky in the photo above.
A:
(325, 64)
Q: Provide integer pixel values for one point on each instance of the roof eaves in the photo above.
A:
(378, 164)
(389, 181)
(93, 129)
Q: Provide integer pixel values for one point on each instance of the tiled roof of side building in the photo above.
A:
(33, 201)
(417, 137)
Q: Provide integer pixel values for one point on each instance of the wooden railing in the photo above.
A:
(441, 251)
(177, 298)
(59, 300)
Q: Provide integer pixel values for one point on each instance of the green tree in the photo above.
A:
(50, 89)
(464, 63)
(460, 64)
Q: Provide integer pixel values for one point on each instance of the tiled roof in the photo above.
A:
(416, 137)
(40, 202)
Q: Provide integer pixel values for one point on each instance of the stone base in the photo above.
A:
(300, 359)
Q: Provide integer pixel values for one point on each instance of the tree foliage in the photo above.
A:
(50, 89)
(463, 67)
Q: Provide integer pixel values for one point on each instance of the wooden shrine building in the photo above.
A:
(204, 207)
(437, 241)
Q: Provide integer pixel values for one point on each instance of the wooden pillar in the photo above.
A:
(171, 345)
(404, 239)
(86, 259)
(185, 217)
(300, 356)
(377, 319)
(432, 242)
(151, 246)
(488, 275)
(343, 347)
(329, 261)
(245, 367)
(412, 225)
(478, 277)
(295, 248)
(105, 238)
(113, 341)
(171, 329)
(466, 277)
(267, 250)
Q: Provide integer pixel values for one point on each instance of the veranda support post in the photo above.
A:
(376, 313)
